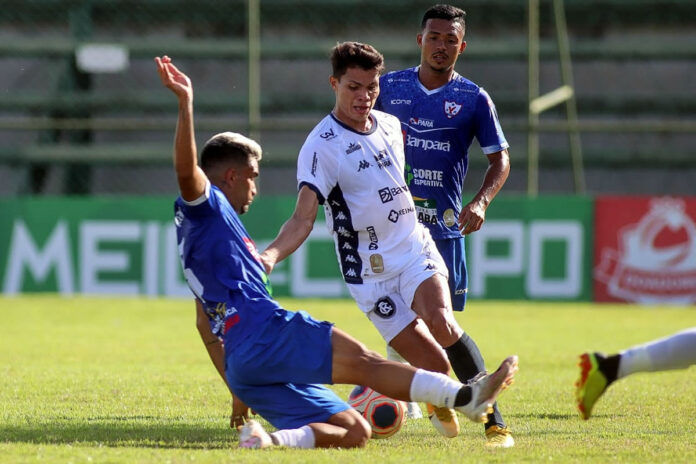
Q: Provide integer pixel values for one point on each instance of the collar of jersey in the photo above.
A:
(372, 129)
(439, 89)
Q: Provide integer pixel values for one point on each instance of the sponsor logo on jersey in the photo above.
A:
(452, 109)
(422, 122)
(251, 246)
(395, 215)
(400, 101)
(426, 210)
(424, 177)
(328, 135)
(427, 144)
(314, 164)
(387, 194)
(384, 307)
(363, 165)
(374, 241)
(382, 159)
(377, 263)
(353, 147)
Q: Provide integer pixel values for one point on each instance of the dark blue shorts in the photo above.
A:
(454, 255)
(279, 371)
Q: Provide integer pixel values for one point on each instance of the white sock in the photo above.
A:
(434, 388)
(677, 351)
(294, 438)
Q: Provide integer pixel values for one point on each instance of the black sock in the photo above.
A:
(609, 366)
(463, 396)
(466, 361)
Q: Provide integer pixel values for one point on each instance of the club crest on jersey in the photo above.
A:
(384, 307)
(452, 109)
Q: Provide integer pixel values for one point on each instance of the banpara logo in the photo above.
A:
(646, 259)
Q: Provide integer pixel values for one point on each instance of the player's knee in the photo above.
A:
(442, 326)
(357, 434)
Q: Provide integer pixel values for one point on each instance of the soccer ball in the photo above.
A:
(385, 415)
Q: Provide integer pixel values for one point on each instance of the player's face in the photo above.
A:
(356, 93)
(441, 42)
(243, 186)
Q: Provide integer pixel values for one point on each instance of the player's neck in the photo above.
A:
(431, 79)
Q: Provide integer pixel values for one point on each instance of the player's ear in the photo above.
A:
(333, 82)
(419, 40)
(462, 46)
(230, 175)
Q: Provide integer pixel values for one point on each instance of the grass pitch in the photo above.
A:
(128, 381)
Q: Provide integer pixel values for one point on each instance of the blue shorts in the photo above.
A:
(278, 370)
(454, 255)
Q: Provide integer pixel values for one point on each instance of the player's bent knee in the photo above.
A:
(358, 434)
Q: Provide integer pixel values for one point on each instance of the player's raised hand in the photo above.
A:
(173, 79)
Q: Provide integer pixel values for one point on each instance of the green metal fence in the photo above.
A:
(66, 128)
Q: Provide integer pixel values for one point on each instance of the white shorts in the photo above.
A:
(387, 303)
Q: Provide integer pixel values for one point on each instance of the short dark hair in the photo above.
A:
(443, 11)
(350, 54)
(228, 148)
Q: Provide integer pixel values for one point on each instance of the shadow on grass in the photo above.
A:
(122, 431)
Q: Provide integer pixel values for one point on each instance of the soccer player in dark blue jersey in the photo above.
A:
(441, 113)
(276, 361)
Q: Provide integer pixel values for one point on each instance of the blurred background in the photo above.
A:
(82, 110)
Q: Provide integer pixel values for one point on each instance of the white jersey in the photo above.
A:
(359, 178)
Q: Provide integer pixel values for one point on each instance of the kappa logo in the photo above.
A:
(353, 147)
(328, 135)
(363, 165)
(384, 307)
(343, 232)
(351, 273)
(351, 259)
(452, 109)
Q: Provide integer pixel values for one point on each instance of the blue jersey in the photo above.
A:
(438, 127)
(221, 264)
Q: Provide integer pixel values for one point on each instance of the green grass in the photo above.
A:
(128, 381)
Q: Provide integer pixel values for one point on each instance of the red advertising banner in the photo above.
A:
(645, 249)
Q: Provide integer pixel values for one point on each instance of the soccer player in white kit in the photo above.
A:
(352, 163)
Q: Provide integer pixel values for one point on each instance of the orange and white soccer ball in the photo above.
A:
(385, 415)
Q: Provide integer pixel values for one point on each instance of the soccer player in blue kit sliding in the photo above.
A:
(275, 359)
(440, 113)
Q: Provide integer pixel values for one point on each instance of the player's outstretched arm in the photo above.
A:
(473, 214)
(295, 230)
(191, 179)
(240, 411)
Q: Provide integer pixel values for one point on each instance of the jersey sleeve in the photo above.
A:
(488, 131)
(205, 205)
(317, 168)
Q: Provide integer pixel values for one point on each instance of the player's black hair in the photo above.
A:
(230, 148)
(443, 11)
(350, 54)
